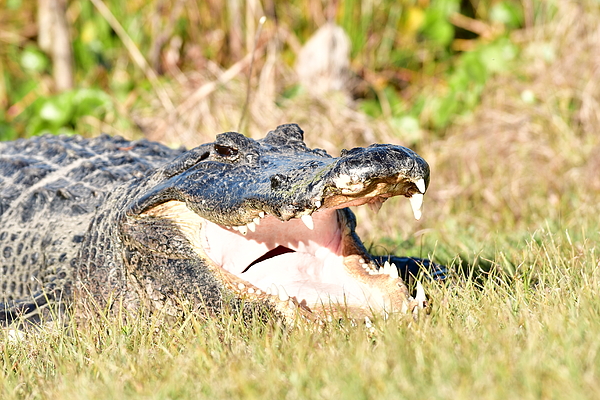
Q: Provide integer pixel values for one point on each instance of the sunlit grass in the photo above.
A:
(531, 334)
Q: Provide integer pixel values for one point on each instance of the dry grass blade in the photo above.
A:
(135, 54)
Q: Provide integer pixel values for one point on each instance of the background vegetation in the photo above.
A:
(501, 97)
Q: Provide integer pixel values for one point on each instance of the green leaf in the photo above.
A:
(497, 56)
(57, 110)
(90, 102)
(437, 28)
(14, 4)
(7, 132)
(508, 13)
(409, 128)
(33, 60)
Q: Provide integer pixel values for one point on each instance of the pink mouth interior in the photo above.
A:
(308, 264)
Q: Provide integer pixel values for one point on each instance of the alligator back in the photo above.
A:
(50, 188)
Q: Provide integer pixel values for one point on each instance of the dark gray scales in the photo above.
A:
(50, 187)
(130, 223)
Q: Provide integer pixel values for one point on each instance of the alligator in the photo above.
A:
(260, 226)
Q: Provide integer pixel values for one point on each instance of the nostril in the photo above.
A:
(279, 181)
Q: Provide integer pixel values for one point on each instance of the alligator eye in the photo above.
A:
(225, 151)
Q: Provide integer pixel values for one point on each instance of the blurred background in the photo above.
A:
(501, 97)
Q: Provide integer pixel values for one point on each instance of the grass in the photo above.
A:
(512, 208)
(530, 335)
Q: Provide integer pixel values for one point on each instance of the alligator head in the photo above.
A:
(270, 219)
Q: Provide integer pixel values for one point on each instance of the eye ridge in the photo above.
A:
(226, 151)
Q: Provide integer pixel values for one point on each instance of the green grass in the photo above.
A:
(530, 335)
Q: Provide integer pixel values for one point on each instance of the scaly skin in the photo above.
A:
(140, 225)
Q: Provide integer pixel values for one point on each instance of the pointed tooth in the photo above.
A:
(251, 226)
(421, 185)
(420, 297)
(241, 286)
(308, 221)
(394, 272)
(416, 202)
(404, 309)
(251, 290)
(268, 291)
(243, 229)
(318, 204)
(261, 214)
(235, 228)
(256, 220)
(283, 296)
(274, 290)
(387, 267)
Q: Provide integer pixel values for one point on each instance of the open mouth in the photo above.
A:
(315, 262)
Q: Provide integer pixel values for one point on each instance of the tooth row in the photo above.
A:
(250, 290)
(366, 266)
(243, 229)
(279, 291)
(387, 269)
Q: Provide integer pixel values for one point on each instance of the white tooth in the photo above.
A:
(268, 291)
(416, 202)
(283, 296)
(420, 297)
(387, 268)
(308, 221)
(274, 289)
(258, 291)
(318, 204)
(250, 290)
(404, 307)
(291, 305)
(394, 272)
(421, 185)
(251, 226)
(241, 286)
(235, 228)
(243, 229)
(256, 220)
(365, 266)
(361, 260)
(261, 214)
